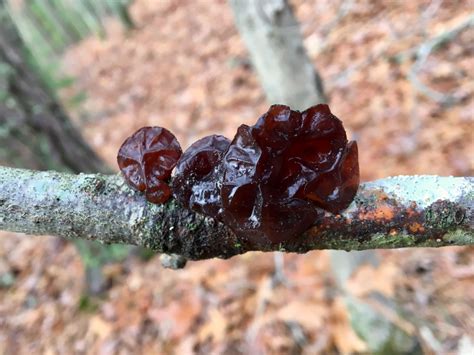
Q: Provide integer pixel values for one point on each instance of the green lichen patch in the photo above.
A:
(92, 184)
(444, 215)
(459, 237)
(152, 241)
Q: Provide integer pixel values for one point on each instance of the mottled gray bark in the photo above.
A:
(389, 213)
(273, 39)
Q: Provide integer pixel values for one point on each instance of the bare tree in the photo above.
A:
(36, 132)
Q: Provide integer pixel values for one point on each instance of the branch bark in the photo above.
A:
(396, 212)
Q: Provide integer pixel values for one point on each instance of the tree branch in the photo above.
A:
(397, 212)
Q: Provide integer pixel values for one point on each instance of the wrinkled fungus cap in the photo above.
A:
(146, 160)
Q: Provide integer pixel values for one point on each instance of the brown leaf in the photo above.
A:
(310, 315)
(99, 327)
(175, 319)
(369, 279)
(214, 328)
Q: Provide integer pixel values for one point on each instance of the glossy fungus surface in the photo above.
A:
(146, 160)
(197, 174)
(277, 171)
(274, 179)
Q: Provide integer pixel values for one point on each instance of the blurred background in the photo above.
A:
(79, 76)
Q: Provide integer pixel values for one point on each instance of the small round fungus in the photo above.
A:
(146, 160)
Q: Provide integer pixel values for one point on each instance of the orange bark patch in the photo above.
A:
(412, 210)
(416, 227)
(382, 212)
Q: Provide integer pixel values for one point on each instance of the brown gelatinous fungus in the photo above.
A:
(271, 182)
(197, 173)
(146, 160)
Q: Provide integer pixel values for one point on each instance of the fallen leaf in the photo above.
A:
(368, 279)
(308, 314)
(176, 318)
(214, 328)
(99, 327)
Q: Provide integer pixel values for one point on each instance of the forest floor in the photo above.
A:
(185, 68)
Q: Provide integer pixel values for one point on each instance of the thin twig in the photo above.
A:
(422, 54)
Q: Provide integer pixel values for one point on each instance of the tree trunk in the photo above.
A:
(273, 39)
(272, 36)
(34, 129)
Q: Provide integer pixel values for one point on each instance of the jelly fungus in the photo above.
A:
(146, 160)
(274, 179)
(195, 183)
(269, 184)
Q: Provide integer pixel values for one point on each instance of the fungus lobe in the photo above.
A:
(197, 174)
(146, 160)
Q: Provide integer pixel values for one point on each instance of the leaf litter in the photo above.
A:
(185, 70)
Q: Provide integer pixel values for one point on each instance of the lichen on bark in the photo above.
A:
(103, 208)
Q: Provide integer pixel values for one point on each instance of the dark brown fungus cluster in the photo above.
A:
(270, 183)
